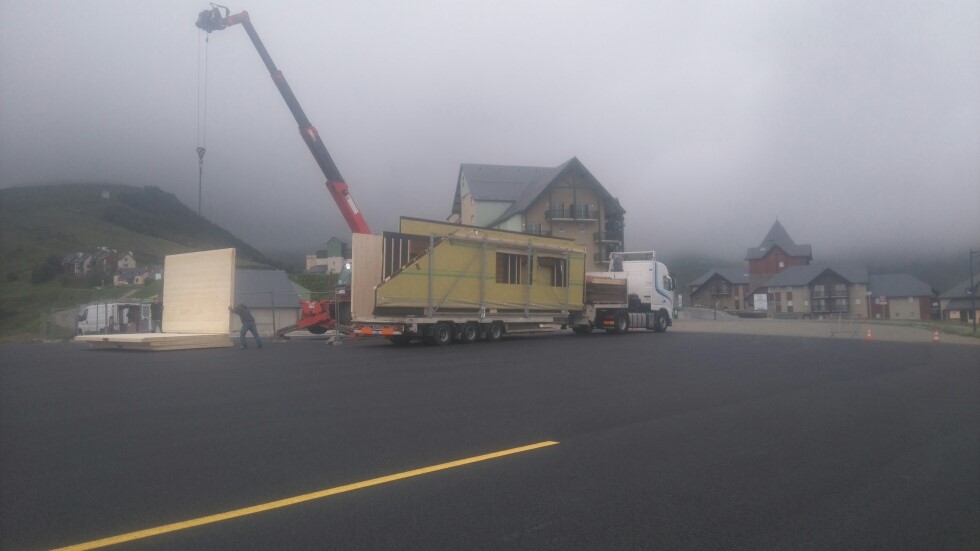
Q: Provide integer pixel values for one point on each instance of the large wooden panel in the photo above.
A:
(366, 272)
(197, 290)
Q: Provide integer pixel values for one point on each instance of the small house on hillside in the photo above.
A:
(900, 296)
(77, 264)
(329, 258)
(131, 276)
(270, 296)
(721, 288)
(563, 201)
(125, 260)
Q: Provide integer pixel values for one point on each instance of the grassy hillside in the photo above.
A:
(41, 224)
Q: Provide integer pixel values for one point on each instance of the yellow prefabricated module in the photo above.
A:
(432, 267)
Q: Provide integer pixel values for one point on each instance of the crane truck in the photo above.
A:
(316, 316)
(524, 283)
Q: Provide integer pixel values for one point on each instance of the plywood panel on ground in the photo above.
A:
(156, 341)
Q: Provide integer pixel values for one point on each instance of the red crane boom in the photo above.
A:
(212, 20)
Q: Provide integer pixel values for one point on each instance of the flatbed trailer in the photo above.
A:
(444, 283)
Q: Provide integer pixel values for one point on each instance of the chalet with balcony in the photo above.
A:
(721, 288)
(817, 291)
(564, 201)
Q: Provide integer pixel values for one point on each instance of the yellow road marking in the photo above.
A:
(297, 499)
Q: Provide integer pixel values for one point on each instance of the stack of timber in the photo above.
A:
(197, 290)
(157, 341)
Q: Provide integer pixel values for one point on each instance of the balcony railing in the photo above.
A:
(536, 229)
(607, 237)
(584, 212)
(573, 212)
(600, 257)
(557, 213)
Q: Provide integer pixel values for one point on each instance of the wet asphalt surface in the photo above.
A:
(673, 441)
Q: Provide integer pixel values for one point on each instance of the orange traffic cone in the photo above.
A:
(935, 335)
(868, 337)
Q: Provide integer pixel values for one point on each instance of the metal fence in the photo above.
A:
(273, 310)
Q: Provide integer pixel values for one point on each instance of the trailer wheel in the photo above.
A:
(442, 334)
(496, 331)
(317, 329)
(660, 323)
(470, 333)
(400, 340)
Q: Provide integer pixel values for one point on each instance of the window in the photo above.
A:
(841, 305)
(554, 271)
(840, 289)
(789, 297)
(511, 268)
(533, 228)
(819, 291)
(820, 305)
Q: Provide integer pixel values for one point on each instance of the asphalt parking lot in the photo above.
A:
(685, 440)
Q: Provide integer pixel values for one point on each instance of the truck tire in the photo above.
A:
(660, 323)
(317, 329)
(495, 332)
(470, 333)
(621, 322)
(582, 329)
(442, 334)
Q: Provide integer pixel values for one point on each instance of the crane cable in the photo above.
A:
(202, 121)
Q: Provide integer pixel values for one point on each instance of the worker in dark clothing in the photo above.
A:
(248, 324)
(156, 315)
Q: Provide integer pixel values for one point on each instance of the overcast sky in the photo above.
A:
(856, 124)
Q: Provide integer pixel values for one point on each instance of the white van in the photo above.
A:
(111, 317)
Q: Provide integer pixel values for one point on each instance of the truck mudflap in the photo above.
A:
(378, 330)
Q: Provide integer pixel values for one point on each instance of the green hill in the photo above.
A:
(39, 225)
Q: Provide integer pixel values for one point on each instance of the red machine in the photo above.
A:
(321, 315)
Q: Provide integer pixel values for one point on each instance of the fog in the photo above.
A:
(856, 124)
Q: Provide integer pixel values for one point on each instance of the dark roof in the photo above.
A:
(265, 289)
(520, 185)
(796, 276)
(777, 237)
(959, 291)
(897, 285)
(960, 304)
(735, 276)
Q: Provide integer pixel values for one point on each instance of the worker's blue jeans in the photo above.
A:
(250, 326)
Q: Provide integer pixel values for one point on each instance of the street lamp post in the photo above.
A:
(973, 291)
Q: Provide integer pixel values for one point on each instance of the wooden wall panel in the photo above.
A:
(366, 271)
(197, 290)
